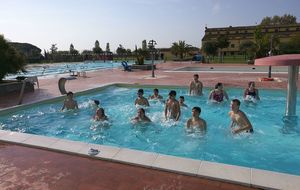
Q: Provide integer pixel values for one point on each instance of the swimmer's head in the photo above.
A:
(251, 84)
(100, 112)
(172, 93)
(155, 91)
(141, 111)
(97, 102)
(181, 99)
(235, 104)
(219, 85)
(140, 92)
(70, 94)
(196, 111)
(196, 76)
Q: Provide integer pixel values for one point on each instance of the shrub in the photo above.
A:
(11, 61)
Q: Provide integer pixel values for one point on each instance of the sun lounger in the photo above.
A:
(126, 66)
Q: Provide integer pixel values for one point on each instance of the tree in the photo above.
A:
(128, 51)
(265, 43)
(279, 20)
(53, 48)
(144, 45)
(97, 49)
(291, 47)
(222, 42)
(11, 61)
(107, 49)
(210, 48)
(248, 48)
(73, 51)
(121, 50)
(180, 48)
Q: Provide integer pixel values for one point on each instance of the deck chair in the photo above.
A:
(126, 66)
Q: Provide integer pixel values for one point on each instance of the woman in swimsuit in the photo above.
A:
(100, 115)
(251, 92)
(218, 93)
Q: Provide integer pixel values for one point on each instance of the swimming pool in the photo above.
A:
(231, 69)
(60, 68)
(273, 146)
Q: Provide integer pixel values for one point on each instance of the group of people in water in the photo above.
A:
(172, 108)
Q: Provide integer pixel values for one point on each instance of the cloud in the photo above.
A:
(216, 7)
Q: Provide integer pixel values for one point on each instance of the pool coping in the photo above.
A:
(246, 176)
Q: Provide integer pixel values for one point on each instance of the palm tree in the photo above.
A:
(180, 48)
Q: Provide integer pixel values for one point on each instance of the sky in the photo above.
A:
(129, 22)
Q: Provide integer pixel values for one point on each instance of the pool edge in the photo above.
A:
(245, 176)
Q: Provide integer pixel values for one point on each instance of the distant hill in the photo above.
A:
(31, 53)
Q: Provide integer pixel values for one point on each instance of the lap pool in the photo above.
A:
(273, 146)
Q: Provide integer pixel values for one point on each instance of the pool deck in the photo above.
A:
(30, 168)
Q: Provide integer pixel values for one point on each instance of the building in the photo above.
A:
(236, 35)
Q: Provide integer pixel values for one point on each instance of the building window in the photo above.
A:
(276, 29)
(246, 31)
(232, 45)
(287, 29)
(232, 53)
(297, 29)
(236, 32)
(266, 30)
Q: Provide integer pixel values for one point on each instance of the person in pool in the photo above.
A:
(141, 100)
(195, 88)
(69, 102)
(251, 92)
(141, 116)
(196, 121)
(100, 115)
(239, 120)
(181, 101)
(218, 93)
(172, 107)
(155, 95)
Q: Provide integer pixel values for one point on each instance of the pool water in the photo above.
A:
(273, 145)
(60, 68)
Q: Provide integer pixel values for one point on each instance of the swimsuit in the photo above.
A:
(218, 97)
(251, 93)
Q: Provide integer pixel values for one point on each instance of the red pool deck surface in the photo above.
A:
(29, 168)
(34, 169)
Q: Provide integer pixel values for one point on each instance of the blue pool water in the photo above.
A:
(60, 68)
(273, 145)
